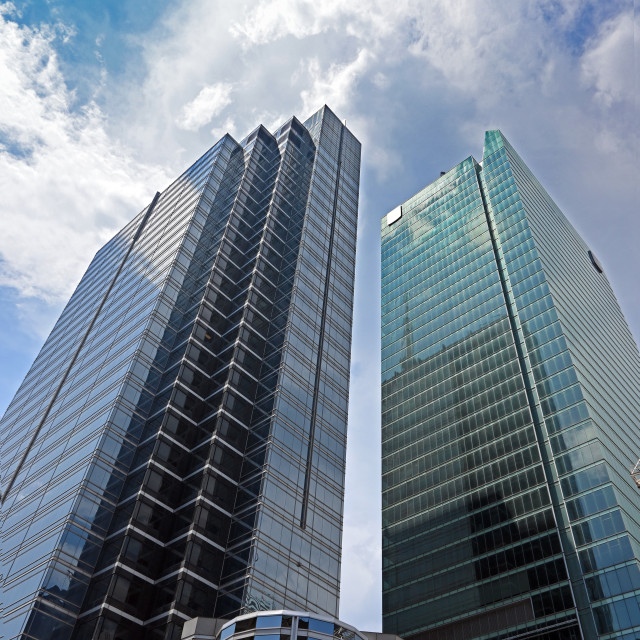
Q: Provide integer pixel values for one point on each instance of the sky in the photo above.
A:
(104, 103)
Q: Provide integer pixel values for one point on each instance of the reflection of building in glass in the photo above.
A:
(510, 413)
(178, 446)
(272, 625)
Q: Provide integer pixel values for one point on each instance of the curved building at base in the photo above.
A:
(510, 418)
(274, 625)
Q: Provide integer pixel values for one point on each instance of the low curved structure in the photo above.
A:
(272, 625)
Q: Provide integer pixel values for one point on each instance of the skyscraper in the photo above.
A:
(178, 446)
(510, 415)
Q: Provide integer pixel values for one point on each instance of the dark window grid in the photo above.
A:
(502, 534)
(447, 491)
(451, 229)
(466, 315)
(509, 487)
(436, 401)
(438, 413)
(553, 560)
(458, 592)
(529, 507)
(479, 442)
(418, 264)
(416, 308)
(480, 472)
(483, 341)
(464, 261)
(437, 427)
(422, 222)
(443, 379)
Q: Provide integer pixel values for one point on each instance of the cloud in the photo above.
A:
(66, 186)
(271, 20)
(209, 103)
(605, 66)
(336, 85)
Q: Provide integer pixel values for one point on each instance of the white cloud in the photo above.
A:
(209, 103)
(228, 126)
(66, 187)
(336, 85)
(271, 20)
(606, 65)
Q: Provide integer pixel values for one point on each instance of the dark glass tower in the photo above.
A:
(177, 449)
(510, 414)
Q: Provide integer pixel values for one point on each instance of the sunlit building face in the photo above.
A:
(178, 447)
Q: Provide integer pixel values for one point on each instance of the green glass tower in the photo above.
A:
(510, 413)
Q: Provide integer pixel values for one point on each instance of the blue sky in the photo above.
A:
(103, 103)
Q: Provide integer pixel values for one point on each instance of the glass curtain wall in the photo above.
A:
(200, 423)
(491, 450)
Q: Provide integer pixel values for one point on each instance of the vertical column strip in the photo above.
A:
(316, 386)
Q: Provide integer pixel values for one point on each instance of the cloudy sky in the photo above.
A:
(103, 103)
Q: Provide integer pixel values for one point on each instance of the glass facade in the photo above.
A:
(177, 448)
(287, 625)
(510, 407)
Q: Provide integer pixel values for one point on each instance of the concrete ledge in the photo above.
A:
(202, 628)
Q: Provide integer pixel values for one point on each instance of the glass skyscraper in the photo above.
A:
(510, 418)
(177, 448)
